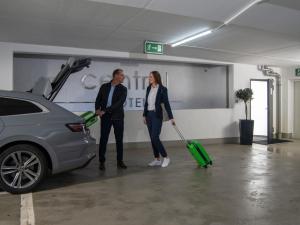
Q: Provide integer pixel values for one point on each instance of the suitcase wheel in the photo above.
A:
(205, 166)
(210, 162)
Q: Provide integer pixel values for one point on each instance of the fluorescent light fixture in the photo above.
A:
(242, 11)
(229, 20)
(192, 38)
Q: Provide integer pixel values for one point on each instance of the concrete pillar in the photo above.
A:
(6, 67)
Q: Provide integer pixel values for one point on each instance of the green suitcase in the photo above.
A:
(197, 151)
(90, 118)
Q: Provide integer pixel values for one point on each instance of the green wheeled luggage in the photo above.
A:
(90, 118)
(197, 151)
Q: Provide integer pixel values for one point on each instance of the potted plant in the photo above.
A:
(246, 126)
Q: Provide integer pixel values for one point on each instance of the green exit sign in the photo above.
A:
(152, 47)
(297, 72)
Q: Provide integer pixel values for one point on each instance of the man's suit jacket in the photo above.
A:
(116, 110)
(161, 97)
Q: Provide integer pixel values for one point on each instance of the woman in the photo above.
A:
(156, 95)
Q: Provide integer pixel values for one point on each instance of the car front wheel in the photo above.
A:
(22, 168)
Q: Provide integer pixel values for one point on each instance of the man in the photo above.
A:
(109, 106)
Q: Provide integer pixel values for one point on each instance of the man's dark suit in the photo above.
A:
(114, 116)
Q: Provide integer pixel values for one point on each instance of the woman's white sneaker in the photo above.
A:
(166, 162)
(155, 162)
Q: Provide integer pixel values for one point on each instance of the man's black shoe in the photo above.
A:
(102, 166)
(121, 165)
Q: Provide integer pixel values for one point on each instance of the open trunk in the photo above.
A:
(50, 89)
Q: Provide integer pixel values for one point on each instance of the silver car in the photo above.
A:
(37, 136)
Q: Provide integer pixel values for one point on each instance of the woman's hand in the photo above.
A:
(145, 121)
(173, 122)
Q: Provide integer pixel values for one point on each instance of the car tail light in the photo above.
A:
(76, 127)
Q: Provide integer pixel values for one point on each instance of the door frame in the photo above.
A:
(270, 89)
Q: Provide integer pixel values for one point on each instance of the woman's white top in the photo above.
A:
(152, 97)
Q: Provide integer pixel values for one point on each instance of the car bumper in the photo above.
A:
(85, 151)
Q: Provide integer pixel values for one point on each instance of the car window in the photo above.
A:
(11, 106)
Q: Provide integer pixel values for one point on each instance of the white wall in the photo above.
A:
(297, 110)
(202, 123)
(288, 79)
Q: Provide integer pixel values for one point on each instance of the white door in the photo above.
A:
(297, 110)
(259, 107)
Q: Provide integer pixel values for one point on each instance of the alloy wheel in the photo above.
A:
(20, 169)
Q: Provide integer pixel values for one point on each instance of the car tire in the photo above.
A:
(22, 168)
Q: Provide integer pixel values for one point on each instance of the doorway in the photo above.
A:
(261, 110)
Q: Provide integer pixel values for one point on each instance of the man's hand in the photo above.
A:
(145, 120)
(99, 112)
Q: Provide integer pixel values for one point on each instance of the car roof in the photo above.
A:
(36, 98)
(23, 95)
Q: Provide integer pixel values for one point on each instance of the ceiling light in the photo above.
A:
(229, 20)
(192, 38)
(242, 11)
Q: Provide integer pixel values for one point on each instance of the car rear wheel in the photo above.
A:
(22, 168)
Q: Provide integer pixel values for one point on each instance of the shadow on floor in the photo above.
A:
(90, 174)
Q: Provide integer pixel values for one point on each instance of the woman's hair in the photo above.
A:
(157, 77)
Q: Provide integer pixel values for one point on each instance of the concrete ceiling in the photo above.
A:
(268, 33)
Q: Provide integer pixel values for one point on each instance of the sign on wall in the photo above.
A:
(81, 89)
(190, 86)
(152, 47)
(297, 72)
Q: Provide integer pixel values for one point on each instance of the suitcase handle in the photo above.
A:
(180, 134)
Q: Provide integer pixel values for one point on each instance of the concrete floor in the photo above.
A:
(256, 185)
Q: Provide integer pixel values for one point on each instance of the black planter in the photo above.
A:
(246, 132)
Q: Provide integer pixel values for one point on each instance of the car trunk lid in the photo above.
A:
(50, 89)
